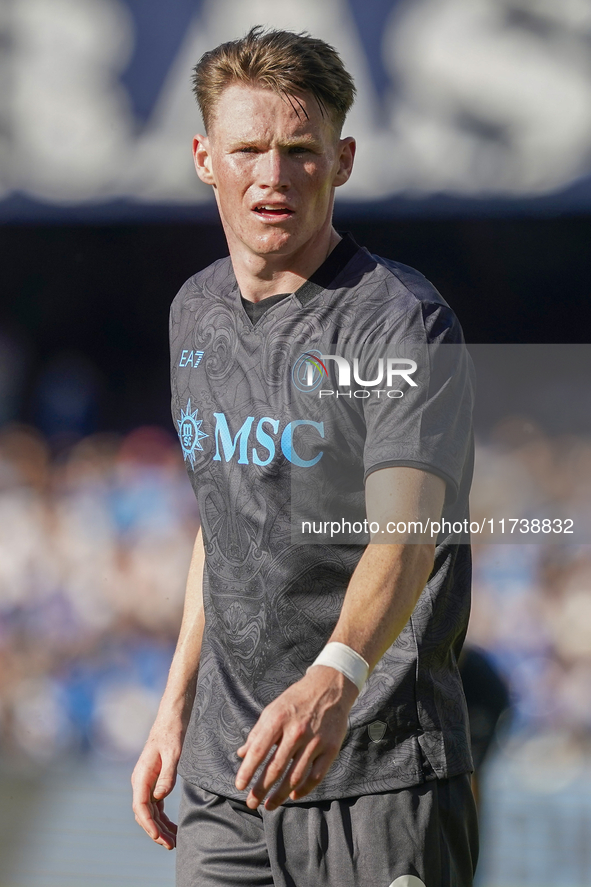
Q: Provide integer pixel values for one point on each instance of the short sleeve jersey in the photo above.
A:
(271, 599)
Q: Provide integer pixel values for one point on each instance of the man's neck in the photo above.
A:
(260, 277)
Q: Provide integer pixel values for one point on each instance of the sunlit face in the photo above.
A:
(273, 170)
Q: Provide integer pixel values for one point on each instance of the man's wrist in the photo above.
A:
(346, 660)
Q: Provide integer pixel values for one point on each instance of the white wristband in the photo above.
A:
(345, 660)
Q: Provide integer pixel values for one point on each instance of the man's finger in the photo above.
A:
(166, 840)
(317, 773)
(162, 819)
(284, 756)
(144, 819)
(166, 829)
(143, 809)
(301, 765)
(166, 780)
(282, 792)
(257, 749)
(149, 813)
(148, 817)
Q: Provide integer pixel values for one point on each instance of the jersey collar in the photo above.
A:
(334, 263)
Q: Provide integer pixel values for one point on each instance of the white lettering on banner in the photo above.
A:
(71, 124)
(506, 100)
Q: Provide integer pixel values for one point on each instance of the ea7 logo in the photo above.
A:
(190, 358)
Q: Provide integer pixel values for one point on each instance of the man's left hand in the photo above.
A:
(307, 724)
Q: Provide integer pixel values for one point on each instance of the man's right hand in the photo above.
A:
(153, 779)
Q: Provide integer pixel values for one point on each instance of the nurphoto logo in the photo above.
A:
(310, 371)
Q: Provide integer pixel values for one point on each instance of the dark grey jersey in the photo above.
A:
(283, 419)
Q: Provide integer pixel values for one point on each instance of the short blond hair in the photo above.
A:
(282, 61)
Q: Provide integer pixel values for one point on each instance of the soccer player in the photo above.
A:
(314, 706)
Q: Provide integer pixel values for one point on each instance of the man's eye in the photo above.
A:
(247, 149)
(298, 149)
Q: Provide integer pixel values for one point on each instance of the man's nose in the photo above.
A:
(273, 170)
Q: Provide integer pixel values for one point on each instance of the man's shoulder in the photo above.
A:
(393, 291)
(402, 281)
(217, 278)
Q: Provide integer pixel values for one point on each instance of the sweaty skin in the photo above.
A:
(274, 163)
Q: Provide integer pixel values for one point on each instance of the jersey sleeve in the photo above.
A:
(427, 425)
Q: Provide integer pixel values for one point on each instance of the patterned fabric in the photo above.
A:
(261, 451)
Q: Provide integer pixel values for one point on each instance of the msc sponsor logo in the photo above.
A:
(190, 358)
(266, 434)
(253, 443)
(310, 370)
(190, 433)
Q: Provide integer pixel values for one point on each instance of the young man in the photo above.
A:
(328, 669)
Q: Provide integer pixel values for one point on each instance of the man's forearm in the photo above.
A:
(381, 596)
(180, 687)
(154, 775)
(389, 578)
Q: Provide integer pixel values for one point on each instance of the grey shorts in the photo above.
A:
(423, 836)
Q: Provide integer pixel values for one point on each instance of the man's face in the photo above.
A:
(273, 169)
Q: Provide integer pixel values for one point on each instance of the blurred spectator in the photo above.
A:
(487, 698)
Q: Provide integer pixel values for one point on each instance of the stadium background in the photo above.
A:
(474, 127)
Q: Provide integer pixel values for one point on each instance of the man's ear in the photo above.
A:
(346, 156)
(202, 159)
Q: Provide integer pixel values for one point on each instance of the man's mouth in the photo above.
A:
(273, 210)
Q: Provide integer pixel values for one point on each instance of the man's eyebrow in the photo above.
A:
(238, 140)
(304, 139)
(288, 141)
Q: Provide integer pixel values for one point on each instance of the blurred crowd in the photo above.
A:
(95, 541)
(531, 608)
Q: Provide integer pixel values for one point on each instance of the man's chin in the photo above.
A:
(273, 241)
(276, 243)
